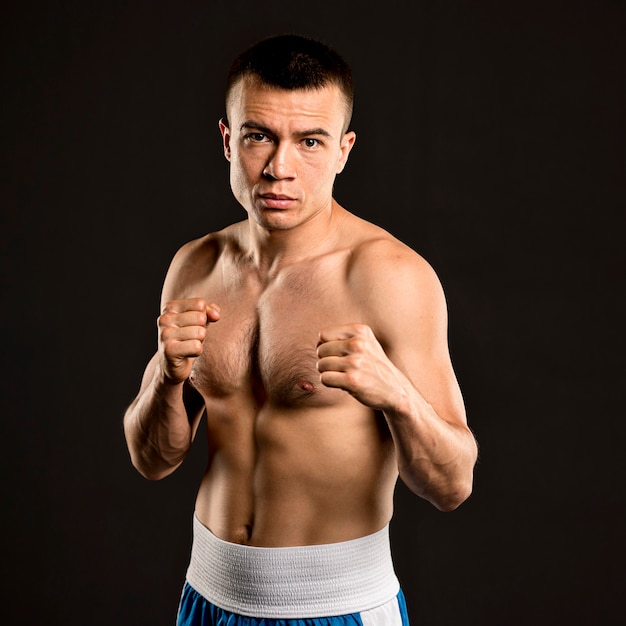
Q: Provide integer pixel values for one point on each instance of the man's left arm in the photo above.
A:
(398, 362)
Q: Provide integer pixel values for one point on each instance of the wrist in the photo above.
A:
(165, 385)
(399, 403)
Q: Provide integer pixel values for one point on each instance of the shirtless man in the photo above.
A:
(316, 344)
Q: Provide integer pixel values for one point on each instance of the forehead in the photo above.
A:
(250, 100)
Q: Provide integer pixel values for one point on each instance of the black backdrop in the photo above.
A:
(490, 139)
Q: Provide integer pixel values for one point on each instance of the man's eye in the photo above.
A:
(257, 137)
(311, 143)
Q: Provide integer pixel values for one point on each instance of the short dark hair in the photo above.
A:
(294, 62)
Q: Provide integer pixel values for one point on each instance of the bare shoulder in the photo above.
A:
(383, 262)
(195, 260)
(397, 286)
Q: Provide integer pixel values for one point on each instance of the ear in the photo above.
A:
(225, 131)
(347, 141)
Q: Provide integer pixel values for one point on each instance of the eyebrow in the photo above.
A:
(251, 124)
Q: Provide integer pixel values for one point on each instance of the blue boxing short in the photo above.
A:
(350, 583)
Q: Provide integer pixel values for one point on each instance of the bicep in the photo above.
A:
(413, 330)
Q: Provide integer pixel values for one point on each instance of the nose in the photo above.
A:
(281, 164)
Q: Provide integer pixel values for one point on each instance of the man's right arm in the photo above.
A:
(161, 422)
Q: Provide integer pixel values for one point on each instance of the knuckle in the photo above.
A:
(168, 307)
(165, 333)
(165, 319)
(357, 344)
(353, 378)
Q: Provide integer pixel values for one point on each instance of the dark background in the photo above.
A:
(490, 139)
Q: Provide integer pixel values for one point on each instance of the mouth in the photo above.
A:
(276, 200)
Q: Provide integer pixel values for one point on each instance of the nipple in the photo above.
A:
(306, 386)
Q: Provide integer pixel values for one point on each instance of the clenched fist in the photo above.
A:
(182, 330)
(351, 358)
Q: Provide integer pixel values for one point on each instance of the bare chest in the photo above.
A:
(264, 345)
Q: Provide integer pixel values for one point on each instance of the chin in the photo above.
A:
(274, 220)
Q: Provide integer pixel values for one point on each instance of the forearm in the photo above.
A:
(157, 428)
(436, 457)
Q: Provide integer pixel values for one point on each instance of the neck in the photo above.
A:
(276, 248)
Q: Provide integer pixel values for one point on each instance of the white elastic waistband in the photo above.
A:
(304, 581)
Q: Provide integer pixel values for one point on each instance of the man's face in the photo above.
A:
(285, 149)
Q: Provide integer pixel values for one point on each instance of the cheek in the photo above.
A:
(323, 172)
(249, 162)
(238, 179)
(240, 171)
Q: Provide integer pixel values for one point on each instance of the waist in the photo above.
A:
(295, 582)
